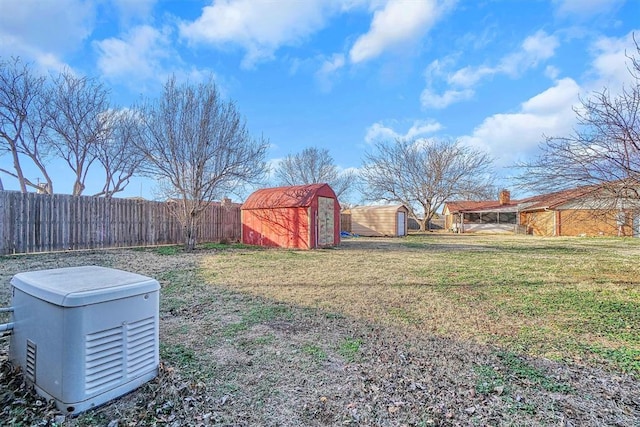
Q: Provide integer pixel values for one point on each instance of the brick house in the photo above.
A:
(582, 211)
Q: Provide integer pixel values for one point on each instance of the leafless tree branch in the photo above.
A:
(118, 153)
(76, 111)
(314, 166)
(423, 174)
(197, 147)
(23, 123)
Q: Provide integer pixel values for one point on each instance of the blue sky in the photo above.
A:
(342, 74)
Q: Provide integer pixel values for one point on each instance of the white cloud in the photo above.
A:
(539, 46)
(554, 99)
(44, 30)
(513, 137)
(380, 132)
(143, 58)
(397, 23)
(470, 76)
(261, 27)
(134, 10)
(551, 72)
(610, 65)
(421, 127)
(430, 99)
(508, 137)
(138, 55)
(258, 26)
(534, 50)
(329, 67)
(437, 70)
(440, 66)
(49, 62)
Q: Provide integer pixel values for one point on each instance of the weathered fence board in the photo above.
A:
(39, 222)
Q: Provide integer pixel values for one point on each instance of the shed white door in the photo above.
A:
(325, 221)
(401, 224)
(636, 225)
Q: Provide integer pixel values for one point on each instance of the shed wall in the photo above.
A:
(345, 221)
(302, 217)
(277, 227)
(376, 222)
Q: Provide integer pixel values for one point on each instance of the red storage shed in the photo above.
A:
(299, 216)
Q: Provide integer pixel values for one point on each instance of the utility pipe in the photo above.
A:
(6, 327)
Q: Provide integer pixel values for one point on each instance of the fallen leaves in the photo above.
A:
(260, 376)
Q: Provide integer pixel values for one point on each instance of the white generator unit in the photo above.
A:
(85, 335)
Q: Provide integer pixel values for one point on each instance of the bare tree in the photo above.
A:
(198, 148)
(23, 122)
(79, 123)
(423, 174)
(603, 151)
(118, 152)
(314, 166)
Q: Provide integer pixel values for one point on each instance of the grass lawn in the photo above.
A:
(563, 299)
(431, 329)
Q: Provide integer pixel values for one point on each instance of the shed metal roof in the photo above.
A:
(285, 197)
(481, 206)
(378, 208)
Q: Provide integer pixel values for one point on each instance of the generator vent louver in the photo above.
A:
(107, 354)
(141, 345)
(30, 366)
(103, 359)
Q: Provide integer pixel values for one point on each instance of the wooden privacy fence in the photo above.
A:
(345, 222)
(39, 222)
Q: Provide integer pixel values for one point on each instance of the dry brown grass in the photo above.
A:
(528, 292)
(428, 330)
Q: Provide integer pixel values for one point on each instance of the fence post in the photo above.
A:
(3, 219)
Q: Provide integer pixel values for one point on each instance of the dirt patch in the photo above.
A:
(236, 358)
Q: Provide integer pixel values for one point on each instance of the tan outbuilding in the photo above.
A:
(379, 220)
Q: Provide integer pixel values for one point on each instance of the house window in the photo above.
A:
(490, 218)
(472, 218)
(507, 218)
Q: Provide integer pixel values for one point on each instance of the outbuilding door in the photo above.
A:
(401, 223)
(636, 225)
(325, 221)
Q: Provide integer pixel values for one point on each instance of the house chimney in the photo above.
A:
(504, 197)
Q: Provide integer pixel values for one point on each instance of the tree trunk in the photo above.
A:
(78, 188)
(190, 232)
(18, 168)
